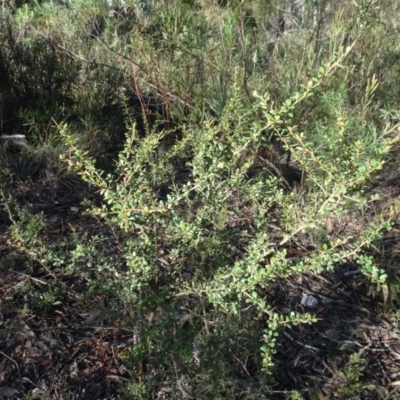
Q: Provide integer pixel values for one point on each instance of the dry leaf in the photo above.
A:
(329, 224)
(385, 292)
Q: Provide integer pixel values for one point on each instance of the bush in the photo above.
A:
(202, 218)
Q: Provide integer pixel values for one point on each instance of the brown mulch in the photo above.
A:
(315, 356)
(70, 350)
(60, 362)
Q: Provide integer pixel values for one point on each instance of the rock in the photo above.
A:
(309, 301)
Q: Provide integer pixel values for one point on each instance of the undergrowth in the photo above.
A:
(218, 142)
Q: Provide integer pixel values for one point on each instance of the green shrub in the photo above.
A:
(197, 223)
(197, 226)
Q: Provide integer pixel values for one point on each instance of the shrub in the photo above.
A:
(212, 237)
(202, 219)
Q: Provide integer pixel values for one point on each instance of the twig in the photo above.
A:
(7, 207)
(277, 171)
(244, 367)
(11, 359)
(306, 346)
(29, 277)
(354, 342)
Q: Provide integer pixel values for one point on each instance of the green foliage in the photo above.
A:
(193, 223)
(295, 396)
(351, 377)
(197, 219)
